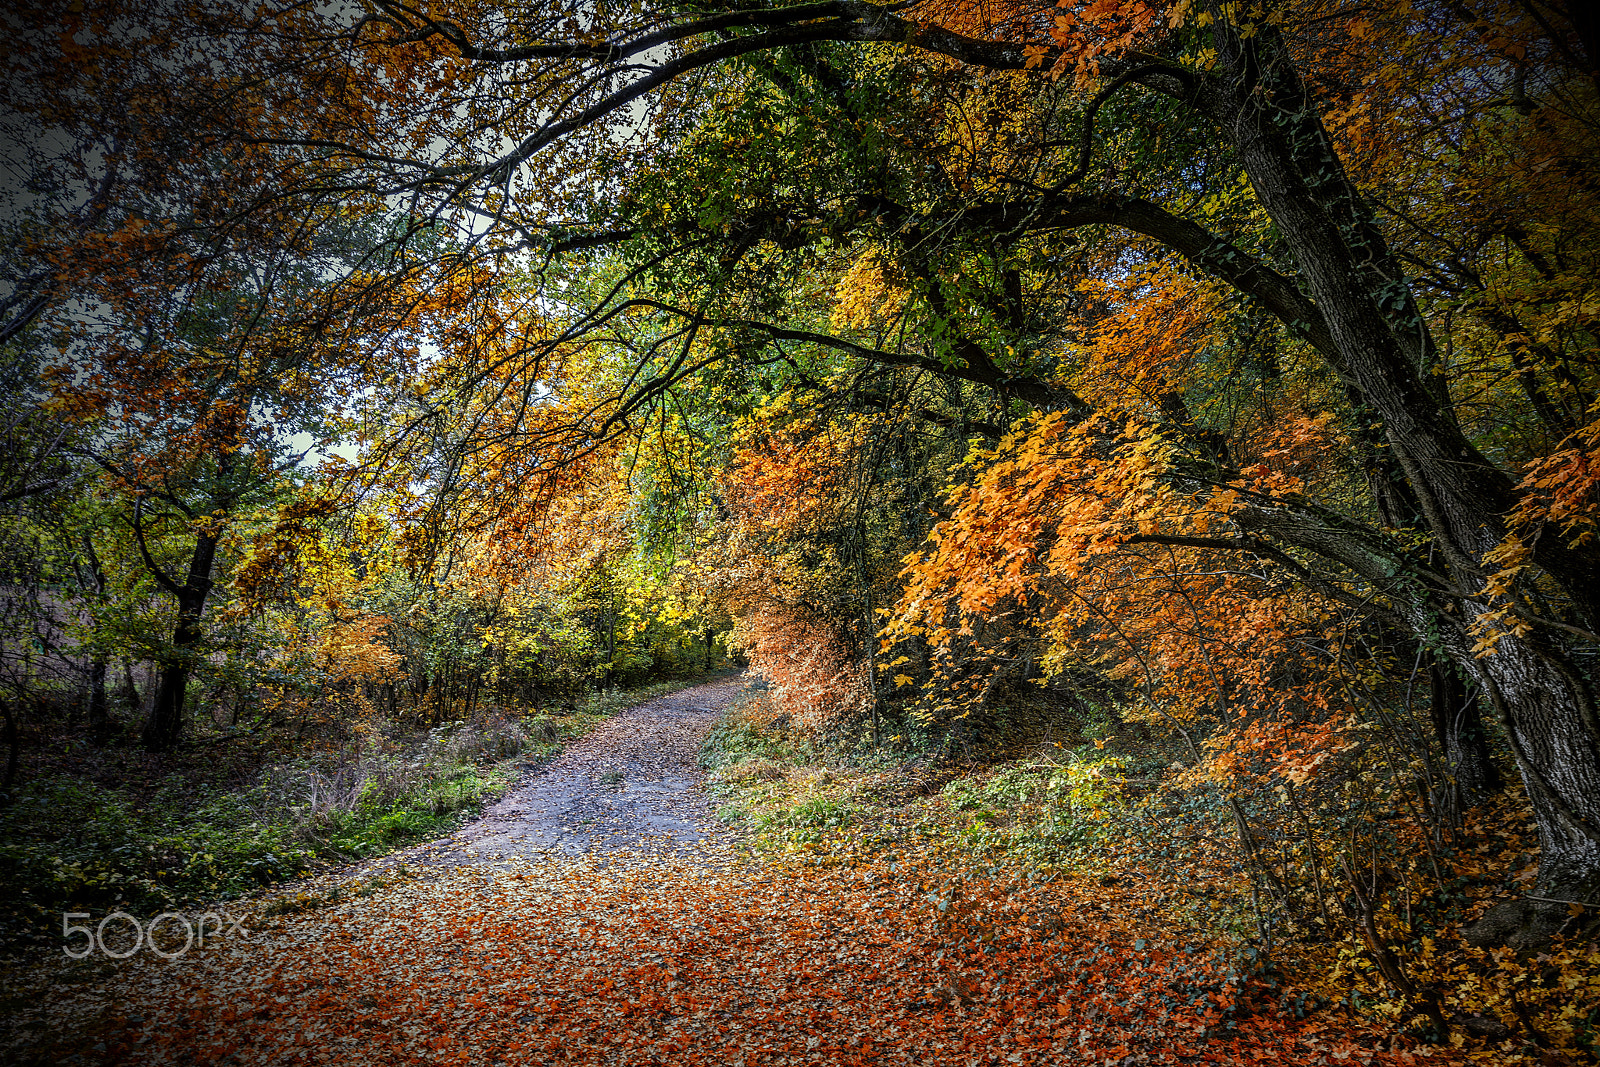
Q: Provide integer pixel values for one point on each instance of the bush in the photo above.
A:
(489, 737)
(746, 731)
(70, 844)
(751, 768)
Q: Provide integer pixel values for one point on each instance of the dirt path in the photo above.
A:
(631, 787)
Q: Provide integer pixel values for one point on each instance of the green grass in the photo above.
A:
(740, 734)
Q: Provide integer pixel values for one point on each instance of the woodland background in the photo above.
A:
(1163, 433)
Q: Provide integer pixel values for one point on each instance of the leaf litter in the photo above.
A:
(536, 936)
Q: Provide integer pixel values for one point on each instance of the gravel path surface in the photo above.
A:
(632, 787)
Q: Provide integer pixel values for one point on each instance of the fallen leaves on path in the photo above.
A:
(569, 962)
(633, 783)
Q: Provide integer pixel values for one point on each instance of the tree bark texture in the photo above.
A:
(1384, 355)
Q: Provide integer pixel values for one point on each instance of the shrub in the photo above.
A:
(749, 729)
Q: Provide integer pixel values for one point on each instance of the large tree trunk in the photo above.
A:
(1385, 357)
(165, 725)
(1548, 711)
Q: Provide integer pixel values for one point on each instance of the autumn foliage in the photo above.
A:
(1179, 421)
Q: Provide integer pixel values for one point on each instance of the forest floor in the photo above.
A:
(598, 915)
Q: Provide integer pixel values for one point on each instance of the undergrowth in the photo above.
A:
(1135, 831)
(70, 842)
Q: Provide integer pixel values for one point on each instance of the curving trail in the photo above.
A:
(630, 787)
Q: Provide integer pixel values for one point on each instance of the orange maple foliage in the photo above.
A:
(1080, 525)
(788, 490)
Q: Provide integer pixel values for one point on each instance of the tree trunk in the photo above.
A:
(611, 640)
(1548, 712)
(1457, 714)
(1385, 357)
(165, 725)
(128, 691)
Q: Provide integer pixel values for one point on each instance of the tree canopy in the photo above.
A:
(1232, 365)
